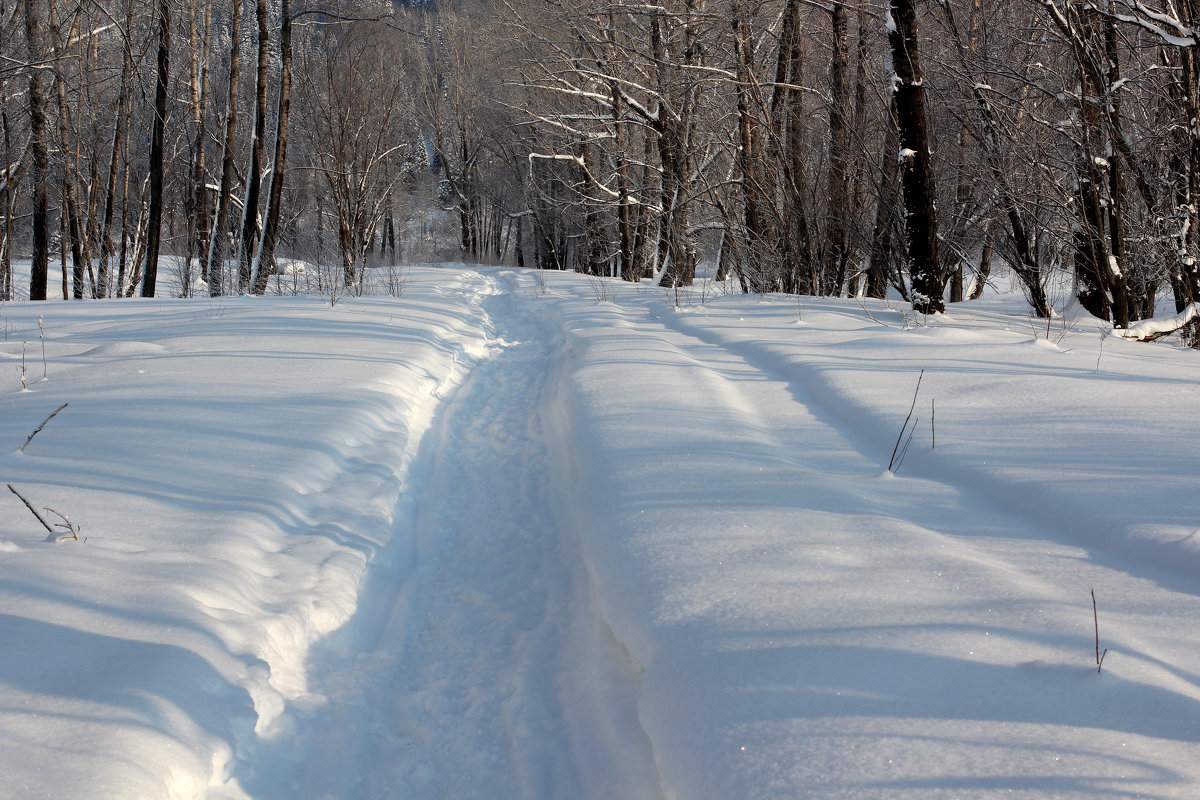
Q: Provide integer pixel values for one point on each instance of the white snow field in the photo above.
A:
(543, 536)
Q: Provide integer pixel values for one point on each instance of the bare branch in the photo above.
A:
(39, 428)
(32, 510)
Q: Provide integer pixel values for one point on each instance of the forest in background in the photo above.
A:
(821, 148)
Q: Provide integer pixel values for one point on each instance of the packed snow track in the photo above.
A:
(477, 666)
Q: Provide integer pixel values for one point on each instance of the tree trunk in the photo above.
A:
(836, 250)
(265, 260)
(626, 214)
(1124, 309)
(254, 173)
(886, 210)
(673, 121)
(216, 249)
(1188, 265)
(920, 208)
(104, 275)
(69, 214)
(8, 202)
(748, 160)
(520, 244)
(154, 223)
(197, 196)
(39, 272)
(967, 175)
(985, 267)
(787, 131)
(123, 255)
(597, 251)
(1100, 286)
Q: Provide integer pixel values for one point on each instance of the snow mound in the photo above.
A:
(126, 350)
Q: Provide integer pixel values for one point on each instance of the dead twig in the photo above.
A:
(39, 428)
(1096, 619)
(870, 316)
(32, 510)
(897, 453)
(70, 527)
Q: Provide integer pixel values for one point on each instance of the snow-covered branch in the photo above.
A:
(1150, 329)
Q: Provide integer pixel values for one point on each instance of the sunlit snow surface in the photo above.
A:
(497, 539)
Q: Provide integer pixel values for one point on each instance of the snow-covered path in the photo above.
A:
(517, 536)
(788, 620)
(477, 667)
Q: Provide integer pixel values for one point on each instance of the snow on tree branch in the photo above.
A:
(1156, 328)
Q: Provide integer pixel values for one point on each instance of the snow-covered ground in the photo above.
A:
(497, 539)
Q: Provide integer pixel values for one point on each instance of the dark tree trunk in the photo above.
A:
(520, 244)
(836, 250)
(39, 272)
(1188, 265)
(154, 222)
(671, 127)
(1124, 310)
(920, 209)
(886, 210)
(625, 207)
(597, 260)
(643, 263)
(7, 207)
(1100, 285)
(254, 173)
(748, 156)
(69, 214)
(787, 131)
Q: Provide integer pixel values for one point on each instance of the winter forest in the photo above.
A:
(689, 399)
(819, 148)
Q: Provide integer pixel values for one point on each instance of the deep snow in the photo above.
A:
(497, 539)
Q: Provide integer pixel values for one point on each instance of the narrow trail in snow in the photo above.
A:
(481, 670)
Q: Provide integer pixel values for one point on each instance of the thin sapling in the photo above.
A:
(1096, 621)
(909, 427)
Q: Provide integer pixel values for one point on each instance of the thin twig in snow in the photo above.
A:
(32, 510)
(898, 454)
(1096, 619)
(39, 427)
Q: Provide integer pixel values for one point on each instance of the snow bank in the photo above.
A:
(810, 627)
(233, 465)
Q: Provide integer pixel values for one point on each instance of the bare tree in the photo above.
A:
(352, 121)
